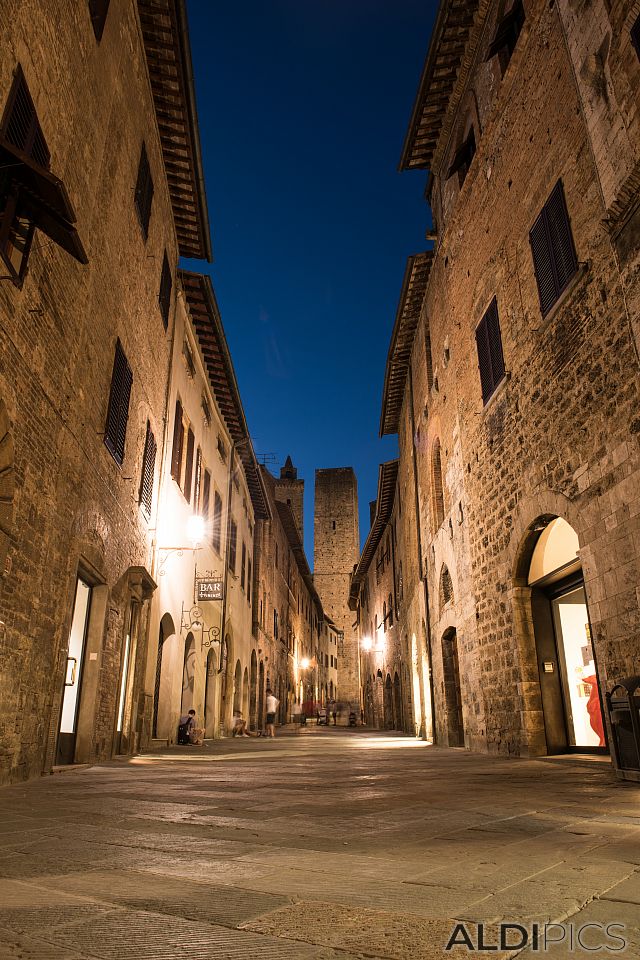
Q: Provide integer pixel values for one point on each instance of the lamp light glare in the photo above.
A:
(305, 663)
(366, 643)
(195, 528)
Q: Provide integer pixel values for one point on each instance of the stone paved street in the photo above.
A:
(329, 844)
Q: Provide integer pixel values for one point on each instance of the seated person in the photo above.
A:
(239, 725)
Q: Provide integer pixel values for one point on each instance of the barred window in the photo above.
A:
(144, 192)
(148, 471)
(118, 409)
(164, 296)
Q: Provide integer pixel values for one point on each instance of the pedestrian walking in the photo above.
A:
(296, 713)
(272, 707)
(333, 710)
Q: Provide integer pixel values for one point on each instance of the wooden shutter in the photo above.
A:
(217, 521)
(554, 255)
(98, 10)
(249, 581)
(20, 123)
(144, 192)
(428, 359)
(178, 439)
(148, 470)
(243, 565)
(164, 297)
(198, 480)
(188, 471)
(233, 546)
(206, 493)
(490, 356)
(506, 36)
(118, 410)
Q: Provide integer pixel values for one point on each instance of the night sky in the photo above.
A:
(303, 107)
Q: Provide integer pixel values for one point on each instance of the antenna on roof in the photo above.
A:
(267, 458)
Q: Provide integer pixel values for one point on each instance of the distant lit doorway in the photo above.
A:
(66, 745)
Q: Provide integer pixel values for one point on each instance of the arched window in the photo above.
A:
(437, 488)
(384, 613)
(446, 587)
(390, 610)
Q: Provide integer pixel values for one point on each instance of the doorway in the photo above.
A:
(452, 692)
(66, 745)
(188, 675)
(210, 695)
(567, 664)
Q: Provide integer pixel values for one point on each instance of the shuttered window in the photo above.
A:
(164, 297)
(98, 10)
(635, 36)
(489, 344)
(197, 485)
(206, 494)
(428, 358)
(243, 565)
(463, 158)
(144, 192)
(178, 441)
(506, 35)
(554, 254)
(148, 470)
(217, 521)
(20, 123)
(233, 546)
(249, 581)
(188, 470)
(118, 411)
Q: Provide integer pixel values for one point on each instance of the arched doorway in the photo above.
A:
(261, 696)
(224, 683)
(245, 695)
(210, 694)
(237, 687)
(397, 703)
(188, 674)
(549, 566)
(387, 704)
(452, 692)
(253, 692)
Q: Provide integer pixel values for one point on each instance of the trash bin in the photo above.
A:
(623, 705)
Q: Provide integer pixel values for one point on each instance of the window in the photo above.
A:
(249, 581)
(276, 555)
(30, 196)
(98, 10)
(428, 358)
(206, 411)
(390, 608)
(446, 587)
(206, 493)
(635, 36)
(506, 35)
(148, 469)
(164, 297)
(275, 624)
(188, 470)
(489, 344)
(554, 255)
(198, 481)
(187, 356)
(463, 157)
(438, 490)
(144, 192)
(222, 449)
(178, 442)
(243, 565)
(233, 546)
(118, 410)
(217, 521)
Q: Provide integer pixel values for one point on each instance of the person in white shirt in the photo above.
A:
(272, 707)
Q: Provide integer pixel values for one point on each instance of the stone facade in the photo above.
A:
(556, 434)
(336, 551)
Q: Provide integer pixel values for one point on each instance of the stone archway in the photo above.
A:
(211, 675)
(188, 674)
(253, 692)
(261, 689)
(162, 686)
(397, 703)
(387, 704)
(237, 687)
(245, 695)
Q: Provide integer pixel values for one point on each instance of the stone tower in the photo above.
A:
(336, 551)
(290, 490)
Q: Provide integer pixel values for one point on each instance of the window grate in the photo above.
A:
(554, 254)
(148, 470)
(178, 440)
(490, 356)
(118, 410)
(144, 192)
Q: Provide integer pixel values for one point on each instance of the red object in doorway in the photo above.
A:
(593, 708)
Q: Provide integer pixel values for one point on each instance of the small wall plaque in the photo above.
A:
(548, 666)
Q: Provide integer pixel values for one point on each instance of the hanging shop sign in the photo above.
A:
(209, 588)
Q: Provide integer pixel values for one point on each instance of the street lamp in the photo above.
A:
(305, 663)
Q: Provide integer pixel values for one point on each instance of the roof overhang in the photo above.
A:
(295, 543)
(166, 42)
(440, 72)
(414, 286)
(207, 323)
(387, 480)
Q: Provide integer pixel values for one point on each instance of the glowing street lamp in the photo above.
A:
(195, 530)
(366, 643)
(305, 663)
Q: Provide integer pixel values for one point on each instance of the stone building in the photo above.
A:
(100, 193)
(336, 550)
(386, 672)
(289, 613)
(206, 650)
(512, 378)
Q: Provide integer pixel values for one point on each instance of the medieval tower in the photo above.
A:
(290, 490)
(336, 551)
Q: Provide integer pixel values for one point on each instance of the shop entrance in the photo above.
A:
(566, 659)
(66, 746)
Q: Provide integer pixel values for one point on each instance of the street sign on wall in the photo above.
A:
(208, 589)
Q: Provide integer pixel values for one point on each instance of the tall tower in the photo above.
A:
(290, 490)
(335, 553)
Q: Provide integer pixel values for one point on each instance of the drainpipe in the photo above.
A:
(422, 564)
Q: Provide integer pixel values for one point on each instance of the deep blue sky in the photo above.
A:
(303, 107)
